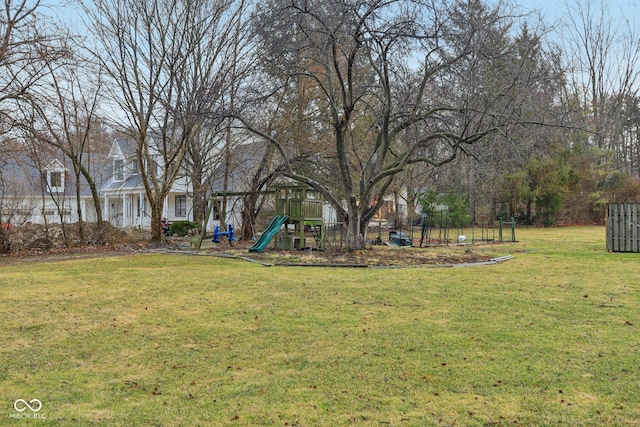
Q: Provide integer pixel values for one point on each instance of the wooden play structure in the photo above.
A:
(298, 210)
(303, 207)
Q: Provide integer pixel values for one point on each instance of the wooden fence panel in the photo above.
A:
(609, 222)
(623, 227)
(636, 225)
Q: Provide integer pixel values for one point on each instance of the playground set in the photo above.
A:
(299, 214)
(298, 210)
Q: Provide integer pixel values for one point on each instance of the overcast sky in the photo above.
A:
(555, 9)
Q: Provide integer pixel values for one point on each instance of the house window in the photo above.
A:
(53, 176)
(216, 212)
(56, 181)
(181, 206)
(118, 170)
(152, 168)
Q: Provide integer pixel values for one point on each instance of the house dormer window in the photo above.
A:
(55, 179)
(118, 170)
(55, 175)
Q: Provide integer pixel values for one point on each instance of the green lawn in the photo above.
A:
(549, 338)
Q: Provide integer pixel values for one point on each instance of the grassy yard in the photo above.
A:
(551, 337)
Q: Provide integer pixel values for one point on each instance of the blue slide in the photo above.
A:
(268, 234)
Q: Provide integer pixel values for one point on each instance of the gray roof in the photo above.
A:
(245, 159)
(133, 182)
(21, 176)
(127, 146)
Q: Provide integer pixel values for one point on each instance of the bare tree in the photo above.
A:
(282, 117)
(260, 178)
(603, 58)
(357, 53)
(26, 43)
(151, 50)
(65, 117)
(224, 61)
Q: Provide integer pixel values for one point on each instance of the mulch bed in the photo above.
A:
(372, 256)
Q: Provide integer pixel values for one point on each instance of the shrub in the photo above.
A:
(181, 228)
(454, 204)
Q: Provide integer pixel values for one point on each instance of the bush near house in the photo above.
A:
(181, 228)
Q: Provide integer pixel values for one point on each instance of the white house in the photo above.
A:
(48, 193)
(124, 196)
(44, 190)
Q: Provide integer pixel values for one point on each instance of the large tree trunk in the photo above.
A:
(199, 197)
(249, 216)
(250, 208)
(196, 173)
(79, 207)
(99, 237)
(355, 229)
(156, 220)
